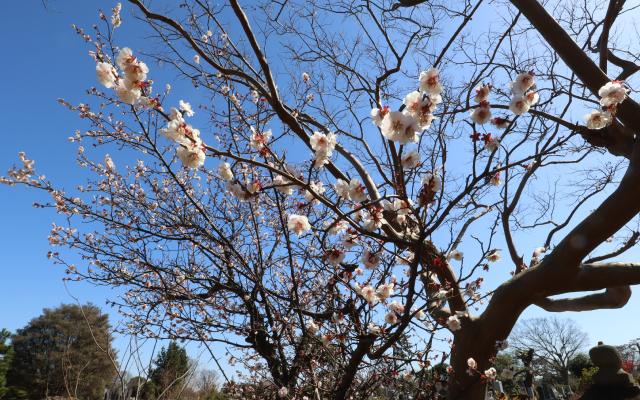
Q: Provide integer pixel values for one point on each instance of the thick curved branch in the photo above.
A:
(611, 298)
(630, 243)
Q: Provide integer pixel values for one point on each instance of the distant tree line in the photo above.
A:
(68, 351)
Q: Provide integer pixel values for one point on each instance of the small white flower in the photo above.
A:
(598, 119)
(495, 179)
(109, 163)
(508, 373)
(612, 93)
(519, 105)
(225, 171)
(299, 224)
(370, 260)
(313, 327)
(522, 83)
(410, 159)
(481, 115)
(482, 93)
(491, 373)
(456, 255)
(494, 256)
(357, 191)
(192, 154)
(472, 363)
(106, 74)
(186, 107)
(283, 392)
(391, 318)
(378, 115)
(454, 323)
(196, 59)
(429, 82)
(305, 77)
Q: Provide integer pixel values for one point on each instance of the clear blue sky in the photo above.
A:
(43, 60)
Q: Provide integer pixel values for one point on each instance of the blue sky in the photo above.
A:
(45, 60)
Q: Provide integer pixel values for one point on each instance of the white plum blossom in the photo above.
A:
(481, 114)
(378, 115)
(326, 340)
(374, 220)
(519, 105)
(613, 93)
(342, 189)
(399, 127)
(305, 77)
(391, 318)
(482, 93)
(531, 98)
(412, 104)
(374, 329)
(370, 294)
(282, 392)
(359, 271)
(125, 95)
(313, 327)
(125, 58)
(432, 180)
(176, 115)
(454, 323)
(349, 240)
(191, 154)
(501, 123)
(136, 72)
(336, 229)
(456, 255)
(522, 83)
(429, 82)
(494, 256)
(491, 373)
(106, 74)
(357, 191)
(196, 59)
(386, 290)
(502, 345)
(259, 140)
(370, 260)
(317, 187)
(279, 180)
(418, 313)
(108, 163)
(410, 159)
(396, 306)
(299, 224)
(508, 373)
(186, 107)
(335, 257)
(492, 144)
(472, 363)
(225, 171)
(598, 119)
(495, 179)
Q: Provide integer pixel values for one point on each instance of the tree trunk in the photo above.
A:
(565, 376)
(471, 342)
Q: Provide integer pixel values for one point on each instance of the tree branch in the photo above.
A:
(630, 243)
(611, 298)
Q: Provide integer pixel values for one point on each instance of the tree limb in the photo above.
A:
(611, 298)
(630, 243)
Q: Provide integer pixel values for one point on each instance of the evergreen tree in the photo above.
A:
(170, 368)
(56, 352)
(6, 355)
